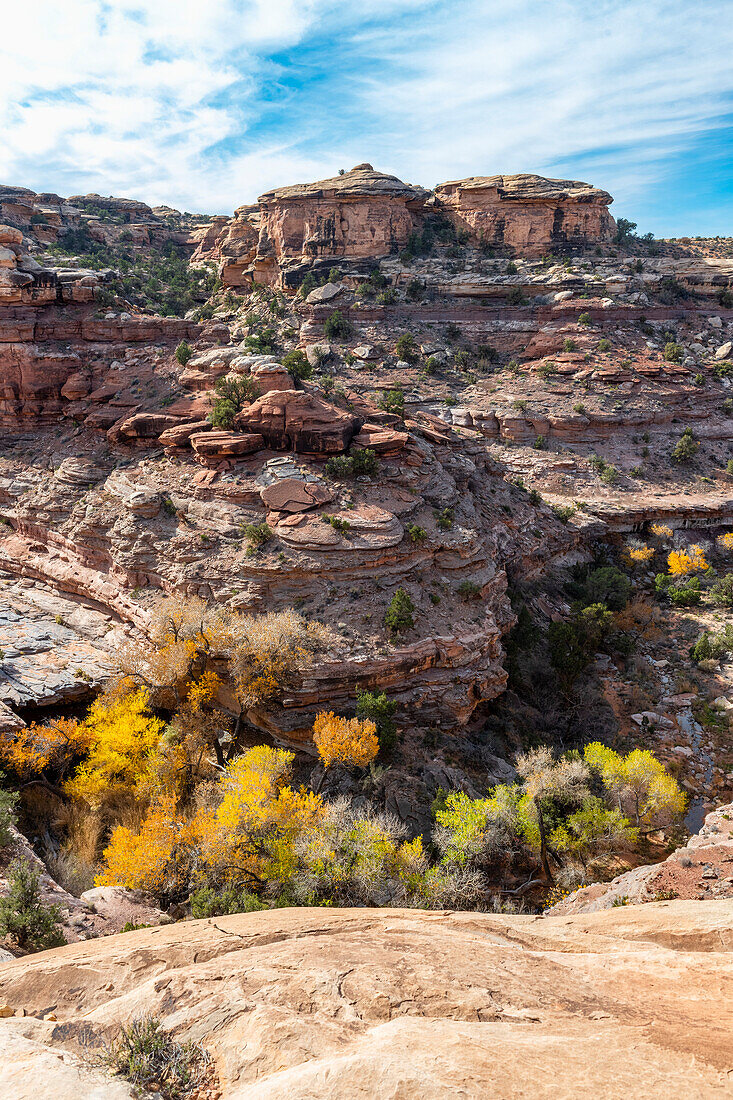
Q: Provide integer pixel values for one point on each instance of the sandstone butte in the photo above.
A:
(365, 213)
(298, 1004)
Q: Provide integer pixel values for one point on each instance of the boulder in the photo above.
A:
(324, 293)
(179, 435)
(300, 421)
(272, 376)
(383, 440)
(220, 444)
(142, 425)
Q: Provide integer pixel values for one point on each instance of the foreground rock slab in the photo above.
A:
(300, 1003)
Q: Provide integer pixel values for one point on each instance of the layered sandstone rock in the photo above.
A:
(385, 1003)
(301, 421)
(362, 213)
(232, 244)
(528, 213)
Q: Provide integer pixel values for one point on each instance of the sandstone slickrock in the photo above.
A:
(297, 1003)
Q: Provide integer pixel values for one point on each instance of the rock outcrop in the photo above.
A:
(362, 213)
(299, 421)
(528, 213)
(379, 1003)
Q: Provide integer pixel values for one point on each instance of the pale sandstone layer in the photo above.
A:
(300, 1003)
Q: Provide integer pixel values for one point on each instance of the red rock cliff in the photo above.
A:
(530, 214)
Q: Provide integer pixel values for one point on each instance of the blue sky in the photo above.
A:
(205, 104)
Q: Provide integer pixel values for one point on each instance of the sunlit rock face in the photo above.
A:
(361, 214)
(528, 213)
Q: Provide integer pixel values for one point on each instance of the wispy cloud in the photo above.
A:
(206, 103)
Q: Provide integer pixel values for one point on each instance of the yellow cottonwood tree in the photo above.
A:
(640, 784)
(352, 742)
(123, 736)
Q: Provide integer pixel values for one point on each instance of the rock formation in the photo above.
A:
(361, 213)
(365, 214)
(529, 214)
(298, 1003)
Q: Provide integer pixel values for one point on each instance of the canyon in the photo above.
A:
(517, 374)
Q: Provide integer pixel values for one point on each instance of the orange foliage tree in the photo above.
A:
(352, 742)
(45, 750)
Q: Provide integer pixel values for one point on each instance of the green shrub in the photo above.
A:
(579, 408)
(712, 646)
(673, 352)
(722, 591)
(511, 268)
(393, 401)
(232, 394)
(338, 327)
(469, 590)
(569, 345)
(339, 468)
(206, 902)
(604, 345)
(153, 1062)
(607, 585)
(308, 284)
(263, 342)
(609, 475)
(24, 918)
(515, 297)
(362, 461)
(444, 519)
(8, 800)
(341, 525)
(406, 348)
(378, 708)
(416, 534)
(685, 448)
(183, 353)
(584, 319)
(563, 511)
(296, 363)
(686, 594)
(387, 297)
(415, 290)
(725, 298)
(257, 534)
(400, 613)
(539, 443)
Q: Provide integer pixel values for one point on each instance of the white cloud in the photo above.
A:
(206, 103)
